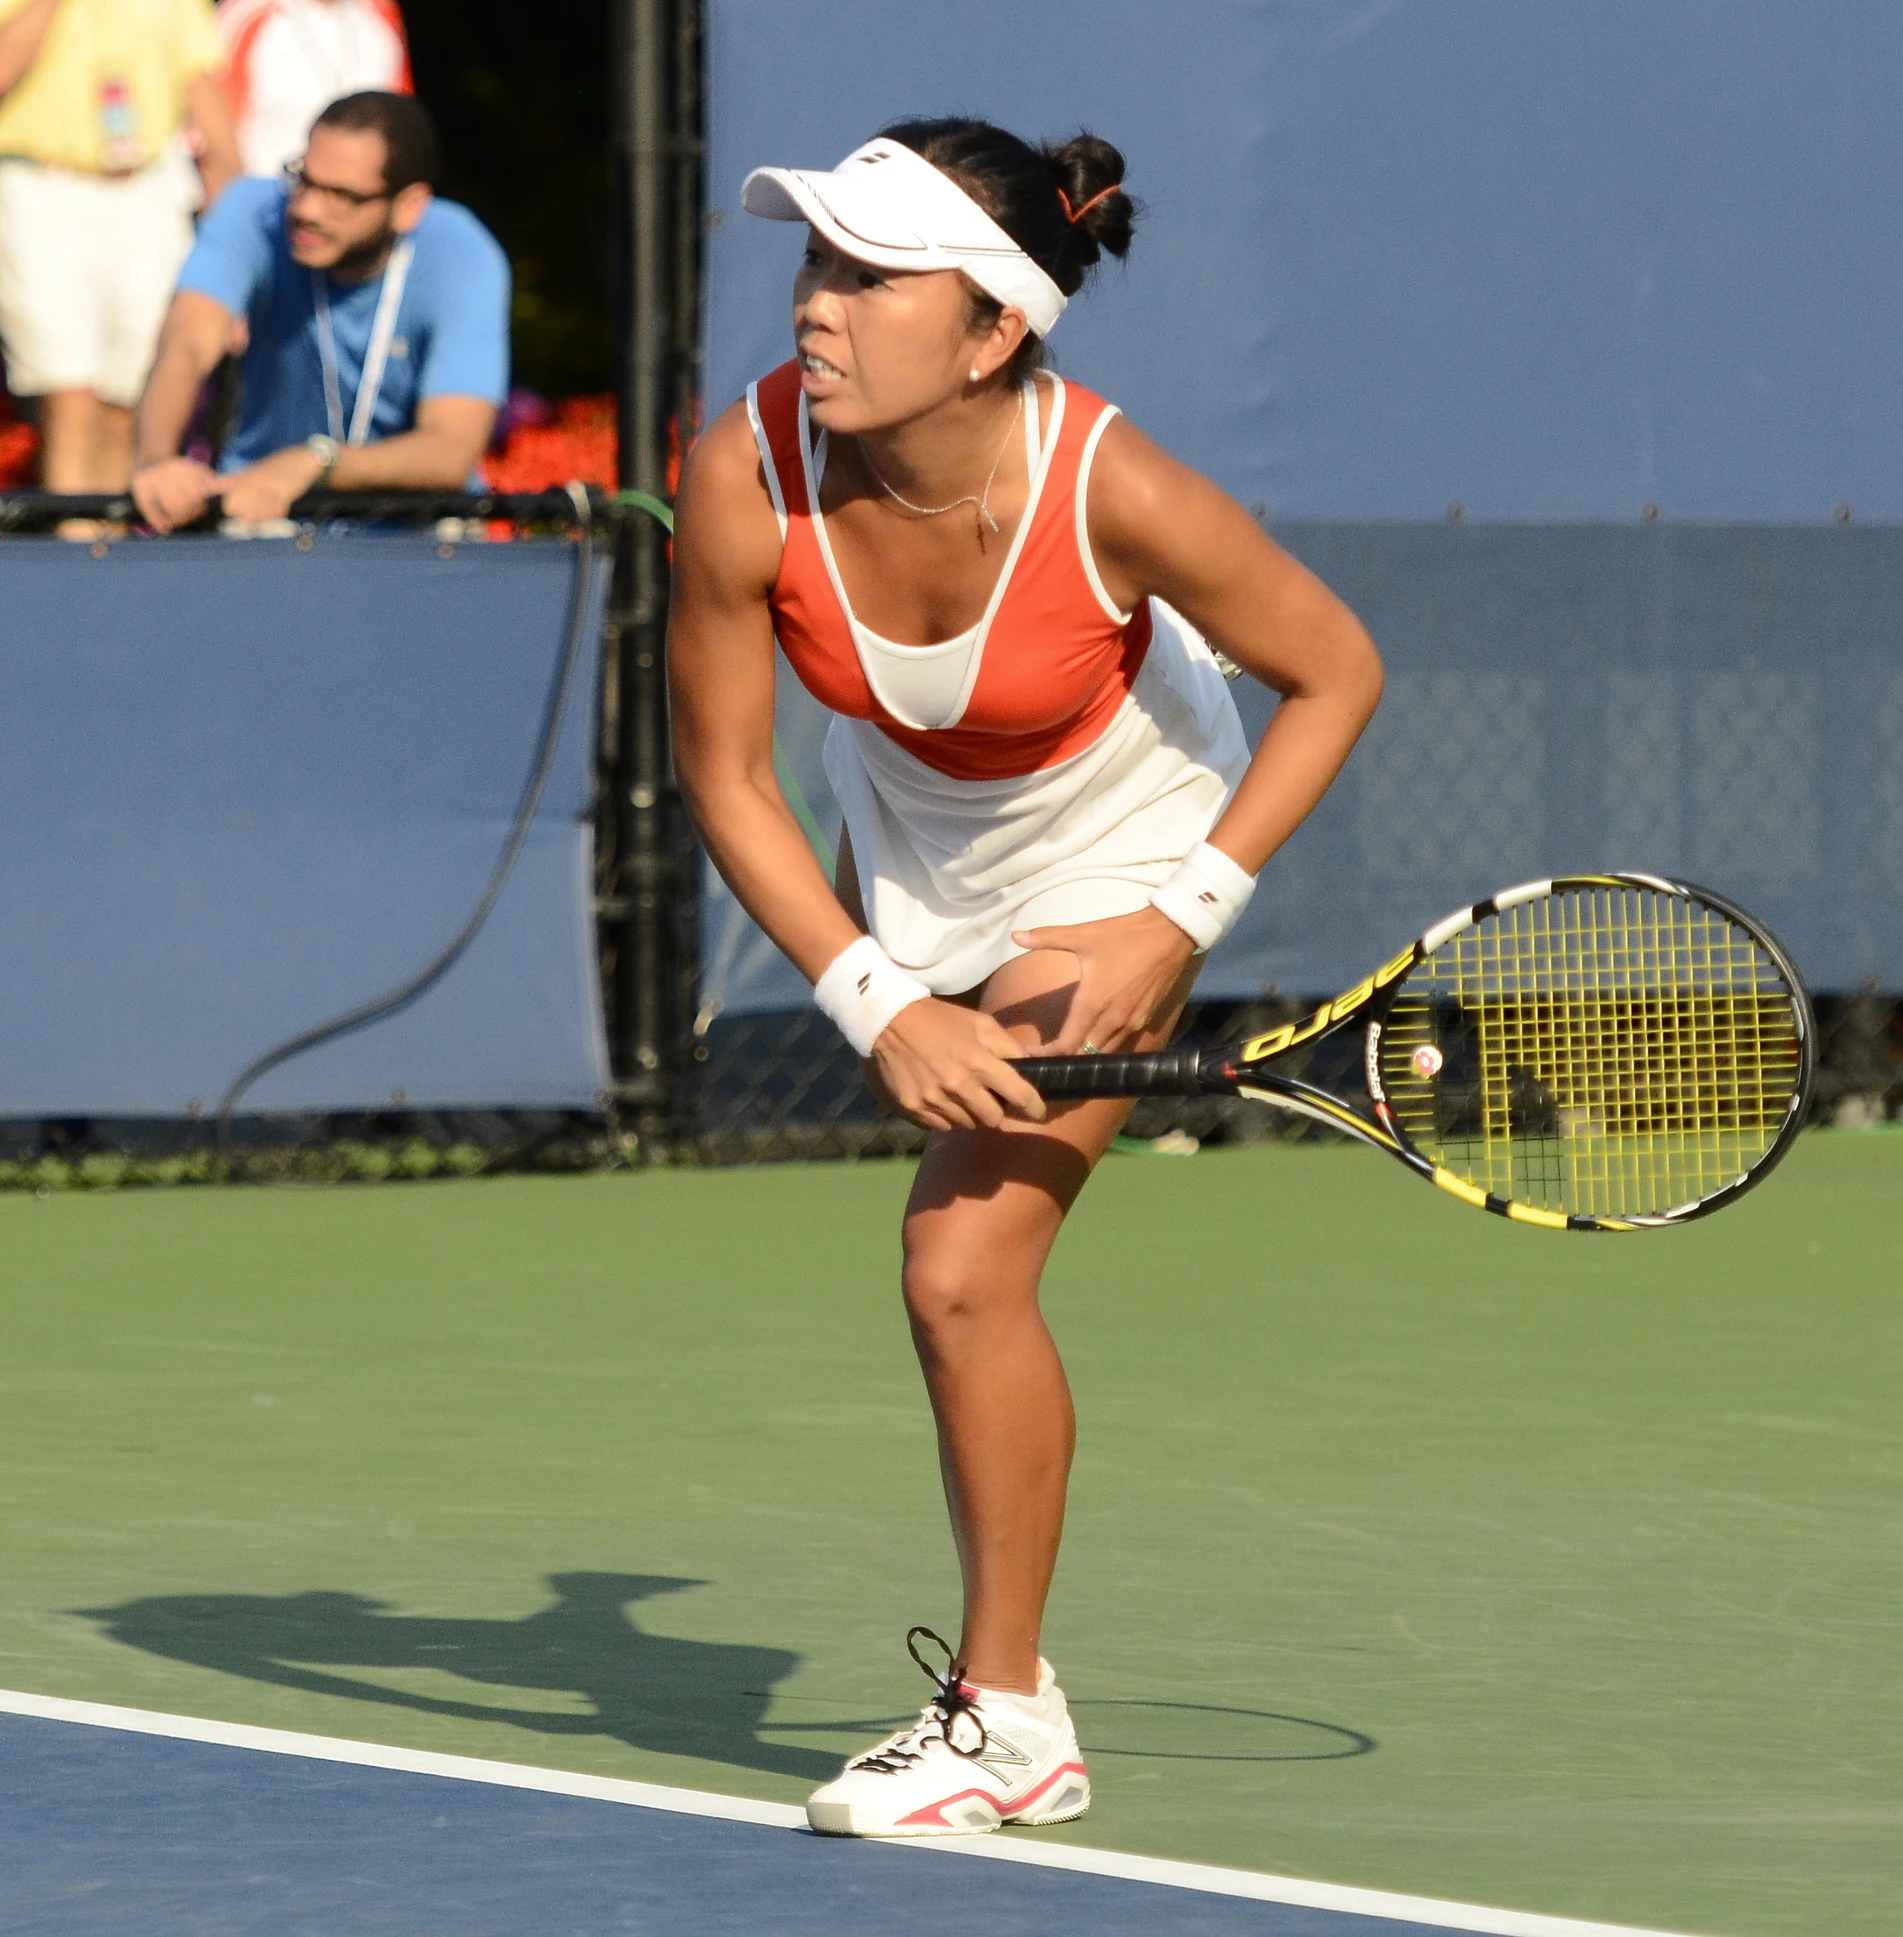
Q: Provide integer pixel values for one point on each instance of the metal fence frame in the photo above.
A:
(650, 867)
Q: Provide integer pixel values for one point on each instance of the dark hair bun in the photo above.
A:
(1088, 174)
(1033, 193)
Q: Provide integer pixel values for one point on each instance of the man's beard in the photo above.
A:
(363, 262)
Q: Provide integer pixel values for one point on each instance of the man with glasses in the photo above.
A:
(377, 319)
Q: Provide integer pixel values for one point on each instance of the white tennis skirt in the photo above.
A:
(949, 868)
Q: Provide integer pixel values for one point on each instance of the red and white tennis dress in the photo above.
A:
(1054, 764)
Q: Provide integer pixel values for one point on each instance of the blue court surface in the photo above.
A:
(115, 1822)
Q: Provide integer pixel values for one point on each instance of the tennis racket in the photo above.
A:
(1606, 1052)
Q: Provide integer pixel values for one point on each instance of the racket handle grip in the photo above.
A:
(1162, 1072)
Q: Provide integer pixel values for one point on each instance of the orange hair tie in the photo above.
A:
(1075, 215)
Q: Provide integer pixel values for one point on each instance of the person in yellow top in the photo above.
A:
(94, 218)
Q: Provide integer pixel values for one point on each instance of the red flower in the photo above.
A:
(578, 445)
(19, 452)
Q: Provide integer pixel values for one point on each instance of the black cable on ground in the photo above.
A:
(439, 965)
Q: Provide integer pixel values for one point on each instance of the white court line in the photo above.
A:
(1433, 1912)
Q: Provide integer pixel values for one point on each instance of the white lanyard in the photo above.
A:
(382, 333)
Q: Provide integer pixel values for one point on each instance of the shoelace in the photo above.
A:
(949, 1701)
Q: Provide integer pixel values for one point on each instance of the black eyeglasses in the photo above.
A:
(299, 183)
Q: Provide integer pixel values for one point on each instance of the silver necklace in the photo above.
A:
(982, 499)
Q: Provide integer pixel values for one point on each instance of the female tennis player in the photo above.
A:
(1002, 592)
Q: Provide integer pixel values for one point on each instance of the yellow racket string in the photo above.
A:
(1601, 1052)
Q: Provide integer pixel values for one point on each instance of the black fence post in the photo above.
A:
(690, 224)
(649, 913)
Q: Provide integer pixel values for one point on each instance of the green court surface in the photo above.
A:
(1408, 1548)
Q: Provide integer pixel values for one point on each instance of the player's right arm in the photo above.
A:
(943, 1065)
(720, 665)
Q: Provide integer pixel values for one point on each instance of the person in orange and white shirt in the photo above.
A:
(287, 60)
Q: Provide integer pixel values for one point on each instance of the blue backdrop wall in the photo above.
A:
(1617, 283)
(245, 787)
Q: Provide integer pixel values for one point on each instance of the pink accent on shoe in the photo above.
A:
(934, 1812)
(1050, 1782)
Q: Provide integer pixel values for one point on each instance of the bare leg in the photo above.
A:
(86, 446)
(112, 448)
(984, 1212)
(66, 439)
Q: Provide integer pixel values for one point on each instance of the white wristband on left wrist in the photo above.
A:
(1205, 897)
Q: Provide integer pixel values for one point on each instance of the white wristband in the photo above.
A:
(862, 990)
(1205, 897)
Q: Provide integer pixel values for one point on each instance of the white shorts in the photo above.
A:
(948, 868)
(87, 267)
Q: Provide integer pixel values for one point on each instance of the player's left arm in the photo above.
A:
(1159, 529)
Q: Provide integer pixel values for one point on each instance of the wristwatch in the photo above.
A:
(324, 449)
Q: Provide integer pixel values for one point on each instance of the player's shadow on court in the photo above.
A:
(706, 1699)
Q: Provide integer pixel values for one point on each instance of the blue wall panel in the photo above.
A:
(1553, 261)
(245, 787)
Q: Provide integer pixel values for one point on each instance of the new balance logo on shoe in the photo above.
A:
(1002, 1758)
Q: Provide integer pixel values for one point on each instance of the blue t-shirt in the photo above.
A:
(452, 326)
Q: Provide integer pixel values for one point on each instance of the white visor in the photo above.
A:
(890, 207)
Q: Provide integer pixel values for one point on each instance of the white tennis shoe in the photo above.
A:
(975, 1758)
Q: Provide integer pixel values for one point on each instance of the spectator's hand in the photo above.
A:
(173, 491)
(272, 485)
